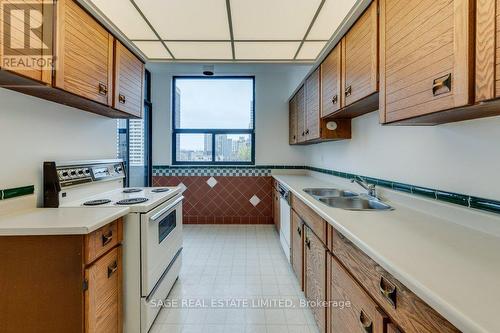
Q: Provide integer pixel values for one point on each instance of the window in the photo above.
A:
(214, 120)
(134, 142)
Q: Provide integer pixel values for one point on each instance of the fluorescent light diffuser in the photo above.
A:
(126, 18)
(266, 50)
(272, 19)
(201, 50)
(187, 19)
(153, 50)
(329, 19)
(310, 50)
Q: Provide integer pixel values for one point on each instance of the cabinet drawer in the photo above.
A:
(313, 220)
(363, 314)
(411, 313)
(103, 297)
(102, 240)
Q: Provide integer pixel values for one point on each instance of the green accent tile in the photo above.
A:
(18, 191)
(401, 187)
(384, 183)
(454, 198)
(485, 204)
(425, 192)
(371, 180)
(1, 195)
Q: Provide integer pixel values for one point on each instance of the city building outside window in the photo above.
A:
(213, 120)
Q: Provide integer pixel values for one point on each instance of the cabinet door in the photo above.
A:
(297, 230)
(32, 61)
(292, 117)
(84, 54)
(129, 77)
(487, 50)
(331, 82)
(391, 328)
(313, 106)
(425, 57)
(301, 115)
(360, 57)
(315, 281)
(103, 303)
(362, 315)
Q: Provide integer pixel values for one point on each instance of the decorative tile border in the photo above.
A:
(265, 170)
(16, 192)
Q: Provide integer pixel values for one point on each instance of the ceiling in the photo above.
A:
(226, 30)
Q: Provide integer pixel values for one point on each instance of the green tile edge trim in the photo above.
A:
(443, 196)
(17, 192)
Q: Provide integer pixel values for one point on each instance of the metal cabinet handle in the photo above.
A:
(308, 243)
(303, 133)
(307, 131)
(107, 238)
(103, 89)
(388, 290)
(294, 137)
(335, 99)
(366, 322)
(112, 269)
(299, 231)
(122, 99)
(440, 83)
(348, 91)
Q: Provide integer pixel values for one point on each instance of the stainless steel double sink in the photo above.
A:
(347, 200)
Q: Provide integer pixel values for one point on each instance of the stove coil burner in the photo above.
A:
(160, 190)
(96, 202)
(132, 201)
(132, 190)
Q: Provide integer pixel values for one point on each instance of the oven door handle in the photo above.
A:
(166, 210)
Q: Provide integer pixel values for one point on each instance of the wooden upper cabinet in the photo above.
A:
(315, 277)
(292, 118)
(426, 57)
(360, 57)
(363, 315)
(129, 78)
(14, 55)
(301, 115)
(84, 54)
(312, 87)
(331, 95)
(487, 50)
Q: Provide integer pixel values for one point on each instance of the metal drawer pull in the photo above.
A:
(112, 269)
(366, 322)
(348, 91)
(335, 99)
(303, 133)
(107, 238)
(307, 131)
(388, 290)
(439, 85)
(299, 231)
(122, 99)
(308, 243)
(103, 90)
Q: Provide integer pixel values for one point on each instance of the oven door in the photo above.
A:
(161, 239)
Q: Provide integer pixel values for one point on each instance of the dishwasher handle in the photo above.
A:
(284, 193)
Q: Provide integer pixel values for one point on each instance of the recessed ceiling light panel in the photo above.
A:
(310, 50)
(153, 50)
(187, 19)
(266, 50)
(126, 18)
(201, 50)
(329, 19)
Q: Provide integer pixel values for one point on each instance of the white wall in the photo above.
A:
(33, 130)
(274, 85)
(461, 157)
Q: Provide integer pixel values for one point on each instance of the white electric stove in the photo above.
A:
(152, 242)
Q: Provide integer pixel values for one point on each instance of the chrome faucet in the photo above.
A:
(372, 190)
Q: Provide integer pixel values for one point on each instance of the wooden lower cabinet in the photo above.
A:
(297, 245)
(315, 257)
(391, 328)
(46, 285)
(358, 313)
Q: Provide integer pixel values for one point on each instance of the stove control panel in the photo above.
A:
(80, 174)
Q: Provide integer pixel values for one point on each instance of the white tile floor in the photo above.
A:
(231, 265)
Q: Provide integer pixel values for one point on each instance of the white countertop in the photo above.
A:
(58, 221)
(453, 267)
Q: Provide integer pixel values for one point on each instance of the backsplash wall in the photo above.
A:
(33, 130)
(460, 157)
